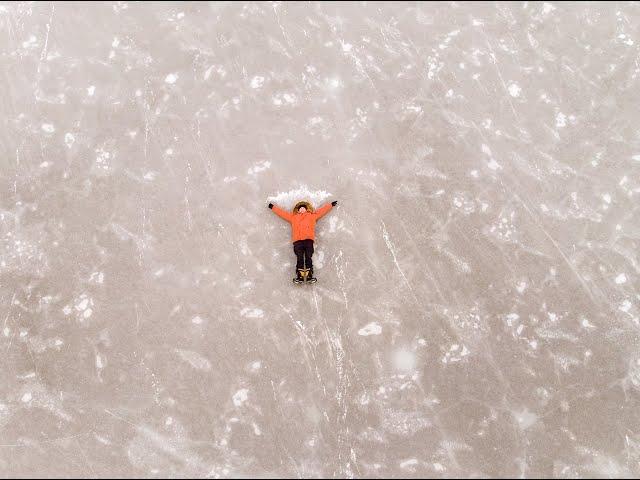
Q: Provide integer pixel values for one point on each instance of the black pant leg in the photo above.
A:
(309, 253)
(298, 249)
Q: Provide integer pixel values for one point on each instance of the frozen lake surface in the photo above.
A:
(477, 310)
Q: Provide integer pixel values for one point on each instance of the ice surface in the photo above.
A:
(477, 310)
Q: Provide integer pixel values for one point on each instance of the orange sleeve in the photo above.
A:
(323, 210)
(282, 213)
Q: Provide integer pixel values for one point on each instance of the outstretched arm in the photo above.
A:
(323, 210)
(281, 213)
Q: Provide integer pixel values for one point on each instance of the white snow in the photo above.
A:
(69, 139)
(370, 329)
(240, 397)
(194, 359)
(287, 200)
(561, 120)
(404, 360)
(259, 167)
(252, 312)
(493, 165)
(625, 306)
(257, 81)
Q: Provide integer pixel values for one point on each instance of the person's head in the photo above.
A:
(302, 207)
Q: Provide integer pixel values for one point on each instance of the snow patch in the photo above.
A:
(493, 165)
(97, 277)
(255, 366)
(257, 81)
(194, 359)
(404, 360)
(561, 120)
(409, 463)
(240, 397)
(252, 312)
(525, 418)
(69, 139)
(625, 306)
(370, 329)
(287, 200)
(586, 323)
(259, 167)
(512, 317)
(83, 304)
(514, 90)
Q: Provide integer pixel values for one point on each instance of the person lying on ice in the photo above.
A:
(303, 222)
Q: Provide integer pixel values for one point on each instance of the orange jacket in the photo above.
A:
(303, 225)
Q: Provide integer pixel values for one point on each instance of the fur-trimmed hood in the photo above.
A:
(305, 204)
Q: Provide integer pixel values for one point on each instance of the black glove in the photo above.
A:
(271, 205)
(334, 203)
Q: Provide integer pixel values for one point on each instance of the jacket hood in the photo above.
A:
(305, 204)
